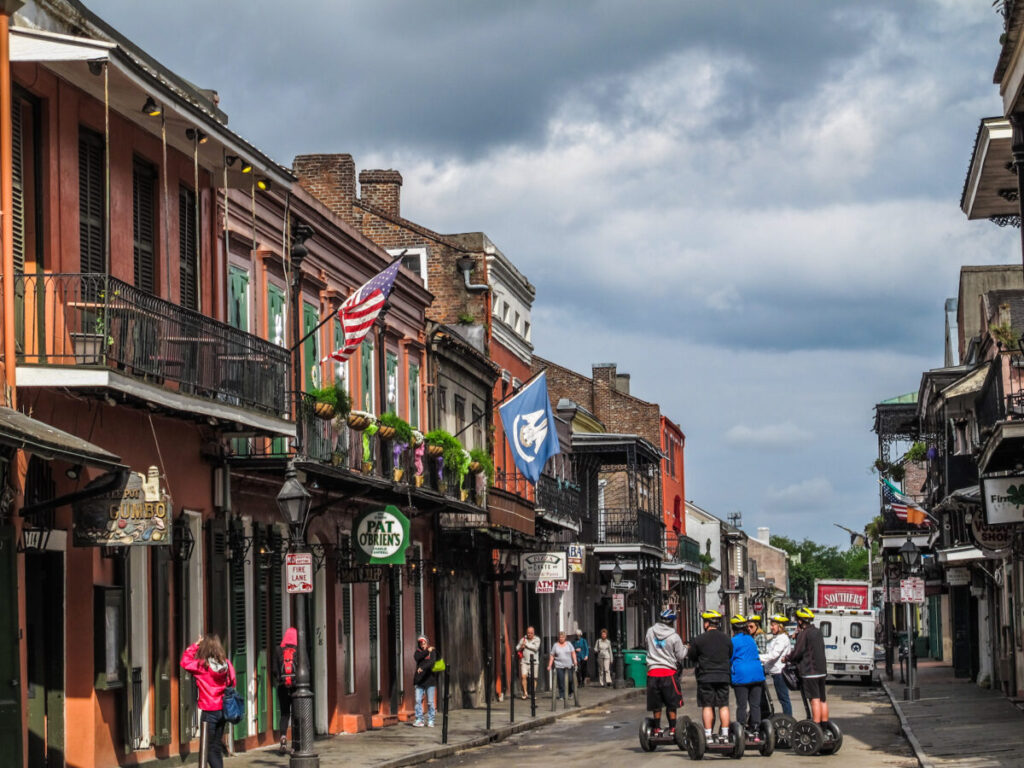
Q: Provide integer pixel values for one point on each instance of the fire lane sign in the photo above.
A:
(299, 573)
(912, 590)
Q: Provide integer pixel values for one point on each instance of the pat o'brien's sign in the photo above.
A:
(381, 537)
(134, 510)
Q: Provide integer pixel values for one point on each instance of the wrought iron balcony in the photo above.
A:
(514, 482)
(559, 497)
(629, 526)
(688, 550)
(96, 321)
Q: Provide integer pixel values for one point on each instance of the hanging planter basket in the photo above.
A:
(324, 411)
(358, 421)
(435, 450)
(385, 431)
(475, 467)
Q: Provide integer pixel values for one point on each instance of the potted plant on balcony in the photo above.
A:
(436, 439)
(480, 462)
(359, 420)
(399, 431)
(419, 447)
(330, 400)
(369, 431)
(447, 451)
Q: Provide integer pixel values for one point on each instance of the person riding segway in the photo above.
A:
(748, 685)
(817, 734)
(711, 652)
(776, 650)
(665, 655)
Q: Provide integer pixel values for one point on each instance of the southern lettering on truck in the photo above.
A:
(842, 593)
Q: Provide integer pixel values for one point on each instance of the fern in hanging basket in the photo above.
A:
(331, 400)
(480, 461)
(438, 440)
(394, 427)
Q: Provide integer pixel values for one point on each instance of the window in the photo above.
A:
(92, 205)
(238, 298)
(526, 331)
(442, 399)
(478, 428)
(275, 315)
(418, 595)
(366, 372)
(144, 225)
(826, 628)
(340, 368)
(515, 323)
(460, 412)
(415, 260)
(414, 396)
(504, 312)
(310, 348)
(856, 630)
(391, 367)
(187, 245)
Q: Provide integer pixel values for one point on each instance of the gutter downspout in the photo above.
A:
(465, 265)
(7, 9)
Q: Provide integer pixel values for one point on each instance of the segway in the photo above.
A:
(809, 738)
(650, 742)
(763, 740)
(697, 744)
(781, 722)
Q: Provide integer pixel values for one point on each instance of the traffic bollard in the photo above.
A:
(487, 686)
(533, 688)
(444, 715)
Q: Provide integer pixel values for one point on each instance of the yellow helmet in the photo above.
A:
(805, 613)
(711, 615)
(737, 619)
(778, 618)
(754, 618)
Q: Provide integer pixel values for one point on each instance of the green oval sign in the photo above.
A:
(381, 537)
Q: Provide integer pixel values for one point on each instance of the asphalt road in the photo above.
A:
(608, 737)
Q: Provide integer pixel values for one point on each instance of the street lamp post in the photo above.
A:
(294, 501)
(911, 557)
(620, 672)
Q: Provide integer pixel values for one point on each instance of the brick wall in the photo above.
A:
(331, 179)
(382, 189)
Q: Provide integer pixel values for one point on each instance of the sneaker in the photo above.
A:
(655, 732)
(672, 732)
(429, 725)
(284, 745)
(418, 724)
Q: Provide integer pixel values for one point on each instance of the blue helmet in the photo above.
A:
(667, 615)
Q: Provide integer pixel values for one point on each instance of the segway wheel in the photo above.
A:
(696, 744)
(783, 730)
(807, 738)
(833, 739)
(739, 737)
(767, 738)
(682, 729)
(645, 736)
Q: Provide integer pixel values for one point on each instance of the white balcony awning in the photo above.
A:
(37, 45)
(990, 188)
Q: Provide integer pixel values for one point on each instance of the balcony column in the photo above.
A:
(300, 234)
(7, 9)
(1017, 151)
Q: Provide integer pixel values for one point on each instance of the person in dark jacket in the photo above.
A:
(425, 681)
(283, 669)
(711, 652)
(747, 676)
(809, 656)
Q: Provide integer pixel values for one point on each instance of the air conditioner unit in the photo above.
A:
(505, 375)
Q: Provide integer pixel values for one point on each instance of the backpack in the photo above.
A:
(288, 666)
(232, 706)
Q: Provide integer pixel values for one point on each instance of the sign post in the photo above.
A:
(618, 601)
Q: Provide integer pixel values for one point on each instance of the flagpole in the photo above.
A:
(502, 401)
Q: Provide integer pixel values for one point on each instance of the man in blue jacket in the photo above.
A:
(747, 677)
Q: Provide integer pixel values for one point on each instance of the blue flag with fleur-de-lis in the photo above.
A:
(530, 428)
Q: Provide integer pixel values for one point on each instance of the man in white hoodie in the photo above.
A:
(777, 649)
(665, 655)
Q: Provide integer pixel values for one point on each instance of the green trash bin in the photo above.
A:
(635, 663)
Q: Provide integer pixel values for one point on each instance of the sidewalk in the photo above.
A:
(401, 744)
(956, 723)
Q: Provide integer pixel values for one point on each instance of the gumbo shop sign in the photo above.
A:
(134, 511)
(381, 537)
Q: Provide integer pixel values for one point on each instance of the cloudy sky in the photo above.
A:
(751, 207)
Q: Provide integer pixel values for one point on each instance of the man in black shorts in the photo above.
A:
(809, 656)
(665, 654)
(712, 653)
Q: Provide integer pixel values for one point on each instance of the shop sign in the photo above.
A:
(1004, 499)
(381, 537)
(991, 538)
(958, 577)
(562, 586)
(360, 574)
(299, 573)
(543, 566)
(136, 511)
(545, 587)
(619, 601)
(575, 554)
(841, 595)
(912, 590)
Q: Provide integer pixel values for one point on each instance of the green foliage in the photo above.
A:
(918, 452)
(369, 432)
(820, 562)
(466, 319)
(333, 394)
(1004, 334)
(481, 456)
(892, 471)
(403, 429)
(455, 458)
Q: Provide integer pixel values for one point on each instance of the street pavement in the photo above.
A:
(956, 723)
(602, 731)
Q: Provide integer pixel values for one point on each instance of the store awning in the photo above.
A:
(40, 439)
(37, 45)
(961, 555)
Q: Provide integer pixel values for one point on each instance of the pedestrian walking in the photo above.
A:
(747, 678)
(425, 682)
(563, 658)
(284, 667)
(213, 672)
(772, 659)
(582, 648)
(809, 656)
(603, 649)
(528, 649)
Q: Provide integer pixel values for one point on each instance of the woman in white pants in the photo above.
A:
(603, 649)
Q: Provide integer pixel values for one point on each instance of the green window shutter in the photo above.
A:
(374, 626)
(260, 616)
(237, 649)
(366, 374)
(238, 298)
(392, 382)
(92, 203)
(144, 225)
(276, 608)
(310, 347)
(161, 563)
(187, 242)
(275, 315)
(397, 584)
(346, 627)
(414, 396)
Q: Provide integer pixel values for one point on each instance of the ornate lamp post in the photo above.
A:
(294, 502)
(911, 557)
(620, 673)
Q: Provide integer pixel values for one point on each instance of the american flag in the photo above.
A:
(902, 507)
(360, 310)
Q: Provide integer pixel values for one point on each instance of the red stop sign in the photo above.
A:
(758, 605)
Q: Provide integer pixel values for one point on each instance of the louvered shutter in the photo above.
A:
(160, 606)
(276, 608)
(144, 225)
(374, 627)
(18, 178)
(189, 284)
(238, 650)
(346, 626)
(260, 544)
(91, 201)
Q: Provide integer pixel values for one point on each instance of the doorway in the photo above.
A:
(10, 660)
(44, 641)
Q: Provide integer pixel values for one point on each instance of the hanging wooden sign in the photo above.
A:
(135, 512)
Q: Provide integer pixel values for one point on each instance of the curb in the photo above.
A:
(908, 732)
(499, 734)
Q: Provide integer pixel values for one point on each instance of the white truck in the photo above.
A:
(842, 609)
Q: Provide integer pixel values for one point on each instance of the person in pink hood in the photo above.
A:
(284, 671)
(212, 671)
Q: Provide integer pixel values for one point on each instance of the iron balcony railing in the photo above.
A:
(96, 321)
(514, 482)
(688, 550)
(333, 442)
(629, 526)
(559, 497)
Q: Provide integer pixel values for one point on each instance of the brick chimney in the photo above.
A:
(331, 179)
(604, 372)
(382, 189)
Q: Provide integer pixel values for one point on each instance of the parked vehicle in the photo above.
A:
(849, 641)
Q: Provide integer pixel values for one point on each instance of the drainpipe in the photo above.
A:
(7, 9)
(465, 266)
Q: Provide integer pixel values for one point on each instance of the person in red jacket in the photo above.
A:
(285, 667)
(212, 671)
